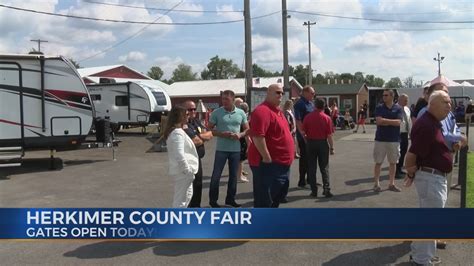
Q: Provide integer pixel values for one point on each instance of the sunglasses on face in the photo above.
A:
(192, 110)
(385, 95)
(280, 92)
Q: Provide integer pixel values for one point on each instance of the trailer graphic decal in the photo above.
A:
(68, 98)
(15, 123)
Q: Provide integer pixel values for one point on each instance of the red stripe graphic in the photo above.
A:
(17, 124)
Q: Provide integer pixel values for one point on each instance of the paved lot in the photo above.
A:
(89, 178)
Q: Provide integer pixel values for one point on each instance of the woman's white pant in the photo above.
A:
(183, 190)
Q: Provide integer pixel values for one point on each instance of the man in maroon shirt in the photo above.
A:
(428, 163)
(318, 130)
(272, 150)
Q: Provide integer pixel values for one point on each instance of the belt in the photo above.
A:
(433, 171)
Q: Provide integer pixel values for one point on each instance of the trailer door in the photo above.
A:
(11, 102)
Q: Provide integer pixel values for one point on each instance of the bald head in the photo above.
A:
(274, 94)
(191, 108)
(439, 104)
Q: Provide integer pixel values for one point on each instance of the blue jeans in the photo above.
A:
(270, 184)
(432, 193)
(219, 162)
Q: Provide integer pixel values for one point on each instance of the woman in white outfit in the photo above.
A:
(182, 155)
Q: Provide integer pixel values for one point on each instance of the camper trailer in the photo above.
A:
(44, 104)
(130, 103)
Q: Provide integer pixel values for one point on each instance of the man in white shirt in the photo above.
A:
(405, 128)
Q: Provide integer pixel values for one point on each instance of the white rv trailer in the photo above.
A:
(129, 104)
(44, 103)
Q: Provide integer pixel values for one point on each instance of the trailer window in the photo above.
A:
(96, 97)
(121, 101)
(160, 97)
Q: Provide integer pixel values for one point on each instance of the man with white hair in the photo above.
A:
(427, 163)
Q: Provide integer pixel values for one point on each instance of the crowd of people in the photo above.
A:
(271, 136)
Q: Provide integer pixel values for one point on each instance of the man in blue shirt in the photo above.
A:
(388, 117)
(303, 107)
(226, 123)
(451, 132)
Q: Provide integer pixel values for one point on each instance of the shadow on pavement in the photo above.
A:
(38, 165)
(387, 255)
(174, 249)
(349, 196)
(369, 179)
(108, 249)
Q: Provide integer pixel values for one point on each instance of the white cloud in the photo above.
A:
(191, 7)
(168, 65)
(227, 11)
(421, 10)
(393, 53)
(368, 40)
(268, 52)
(118, 13)
(133, 56)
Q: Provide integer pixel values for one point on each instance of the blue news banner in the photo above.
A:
(87, 223)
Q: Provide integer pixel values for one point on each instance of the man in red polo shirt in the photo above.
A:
(272, 150)
(318, 130)
(427, 164)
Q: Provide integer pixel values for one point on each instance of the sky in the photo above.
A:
(385, 38)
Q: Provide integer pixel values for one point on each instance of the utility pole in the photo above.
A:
(440, 60)
(310, 71)
(248, 52)
(286, 79)
(39, 41)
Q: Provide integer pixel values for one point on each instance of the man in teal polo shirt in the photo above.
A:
(226, 123)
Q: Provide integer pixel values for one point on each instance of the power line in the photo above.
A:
(131, 36)
(386, 29)
(136, 22)
(162, 9)
(382, 20)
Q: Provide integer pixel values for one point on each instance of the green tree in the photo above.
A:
(378, 82)
(346, 77)
(155, 72)
(358, 77)
(373, 81)
(260, 72)
(409, 82)
(183, 73)
(219, 68)
(300, 73)
(329, 75)
(394, 83)
(240, 74)
(319, 79)
(74, 63)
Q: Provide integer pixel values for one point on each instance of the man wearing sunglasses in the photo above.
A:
(198, 134)
(271, 151)
(388, 117)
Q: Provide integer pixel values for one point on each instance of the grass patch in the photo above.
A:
(470, 181)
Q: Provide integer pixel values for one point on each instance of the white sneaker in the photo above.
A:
(243, 179)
